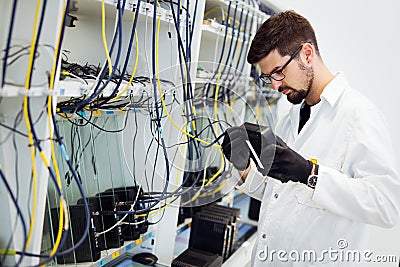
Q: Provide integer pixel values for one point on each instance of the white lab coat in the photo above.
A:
(357, 185)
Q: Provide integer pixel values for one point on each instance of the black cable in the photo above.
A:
(98, 90)
(244, 36)
(87, 121)
(222, 50)
(19, 212)
(81, 192)
(228, 87)
(231, 80)
(248, 39)
(209, 126)
(193, 24)
(17, 121)
(37, 40)
(128, 53)
(13, 130)
(158, 122)
(10, 30)
(188, 51)
(133, 150)
(100, 128)
(232, 38)
(28, 100)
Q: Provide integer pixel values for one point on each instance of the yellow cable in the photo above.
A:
(57, 172)
(216, 189)
(220, 169)
(8, 252)
(166, 110)
(229, 19)
(103, 35)
(173, 123)
(136, 61)
(134, 68)
(28, 126)
(32, 49)
(34, 178)
(239, 47)
(208, 12)
(53, 155)
(216, 94)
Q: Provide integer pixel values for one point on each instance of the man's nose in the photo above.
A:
(275, 84)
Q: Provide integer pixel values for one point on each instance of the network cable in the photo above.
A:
(222, 50)
(128, 53)
(19, 213)
(97, 89)
(9, 35)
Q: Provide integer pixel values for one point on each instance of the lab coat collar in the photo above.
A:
(330, 94)
(334, 89)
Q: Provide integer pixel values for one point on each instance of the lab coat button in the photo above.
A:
(276, 195)
(264, 236)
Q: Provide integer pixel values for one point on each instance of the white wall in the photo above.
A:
(362, 38)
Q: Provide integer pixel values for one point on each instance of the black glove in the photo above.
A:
(261, 136)
(236, 149)
(285, 164)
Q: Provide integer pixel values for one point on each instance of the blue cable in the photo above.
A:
(248, 43)
(114, 93)
(37, 40)
(98, 91)
(244, 37)
(13, 12)
(230, 81)
(19, 212)
(232, 39)
(223, 48)
(64, 236)
(193, 24)
(75, 176)
(229, 53)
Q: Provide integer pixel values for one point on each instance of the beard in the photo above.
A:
(296, 96)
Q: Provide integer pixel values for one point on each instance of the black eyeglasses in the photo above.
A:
(278, 75)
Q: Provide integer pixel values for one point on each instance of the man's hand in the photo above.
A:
(236, 149)
(285, 164)
(279, 160)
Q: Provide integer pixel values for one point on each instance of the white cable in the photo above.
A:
(145, 48)
(136, 223)
(123, 218)
(79, 78)
(123, 153)
(215, 51)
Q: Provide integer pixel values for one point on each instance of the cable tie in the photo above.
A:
(64, 152)
(160, 132)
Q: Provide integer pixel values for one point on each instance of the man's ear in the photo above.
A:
(308, 54)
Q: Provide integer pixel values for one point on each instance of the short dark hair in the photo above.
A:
(283, 31)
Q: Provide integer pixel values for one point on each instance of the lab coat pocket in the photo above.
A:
(304, 197)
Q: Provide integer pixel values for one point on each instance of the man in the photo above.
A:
(328, 172)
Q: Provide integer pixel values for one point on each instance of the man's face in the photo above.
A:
(298, 77)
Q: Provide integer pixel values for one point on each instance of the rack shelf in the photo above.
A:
(224, 4)
(90, 8)
(211, 31)
(15, 91)
(112, 254)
